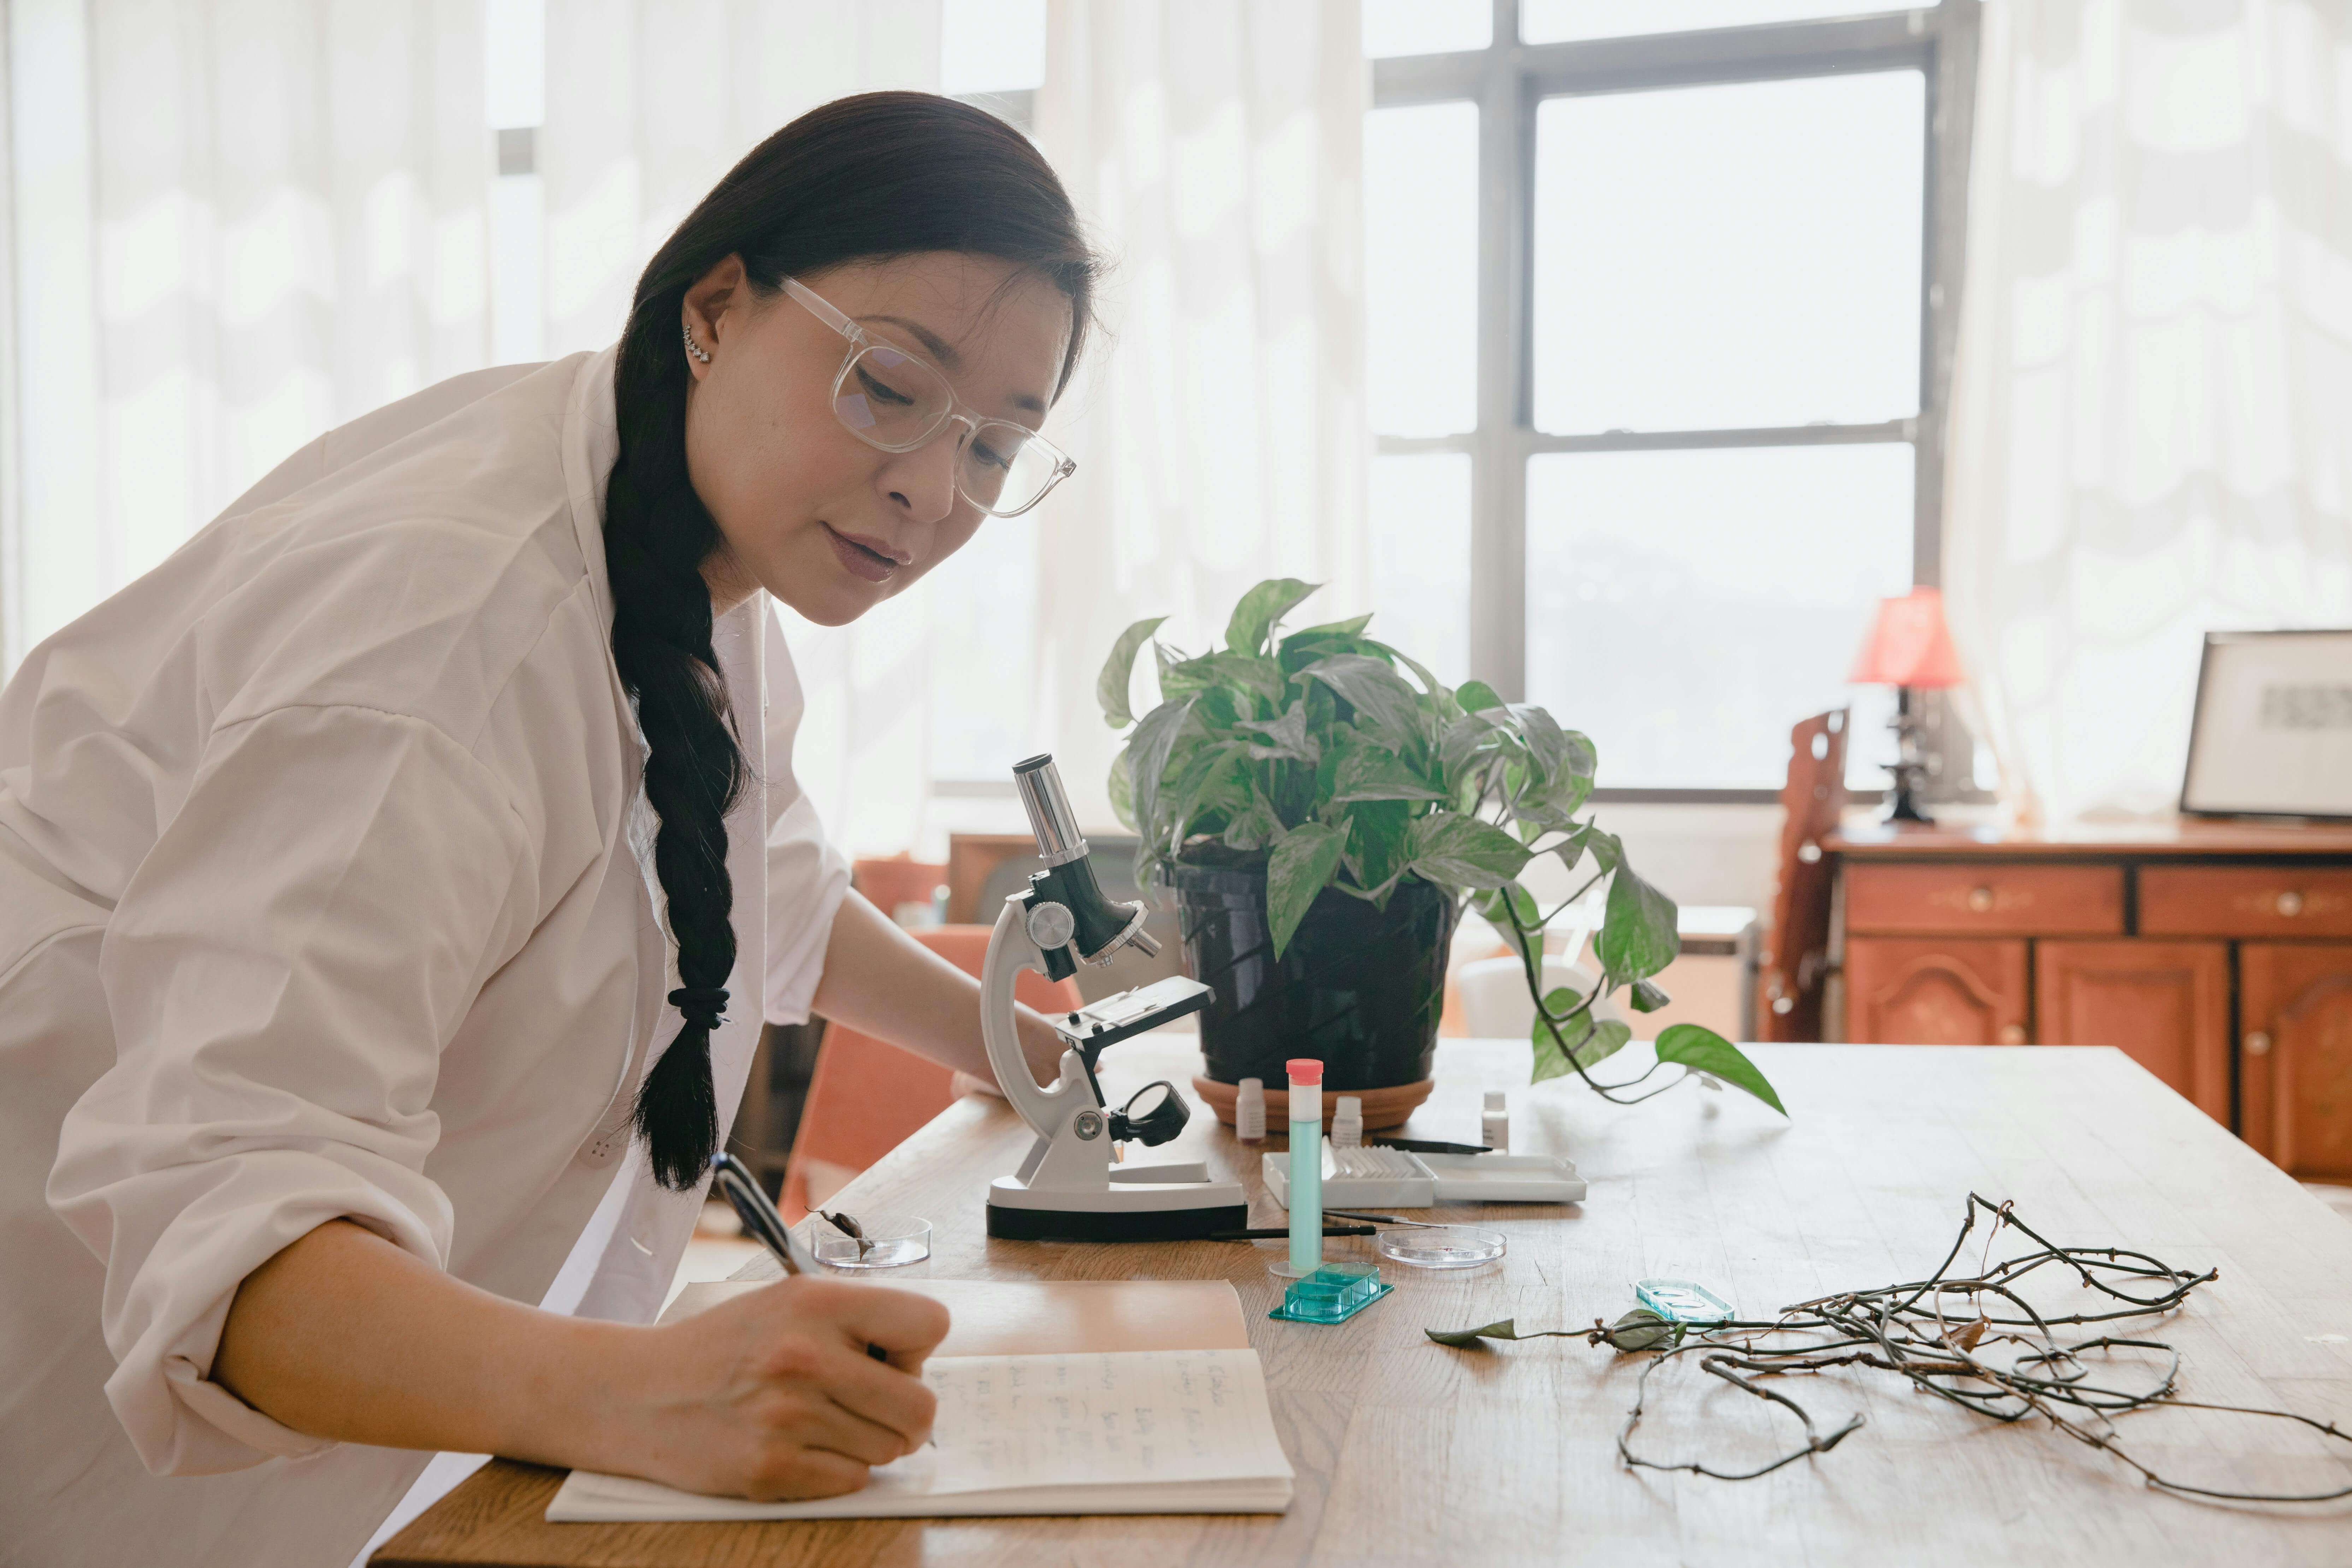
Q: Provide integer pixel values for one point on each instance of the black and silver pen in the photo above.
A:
(763, 1224)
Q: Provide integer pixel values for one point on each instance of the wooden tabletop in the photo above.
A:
(1410, 1453)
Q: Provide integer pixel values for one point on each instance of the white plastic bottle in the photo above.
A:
(1249, 1112)
(1496, 1124)
(1347, 1122)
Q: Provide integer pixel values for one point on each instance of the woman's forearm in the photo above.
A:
(882, 982)
(343, 1335)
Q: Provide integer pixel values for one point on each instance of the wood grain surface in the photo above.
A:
(1410, 1453)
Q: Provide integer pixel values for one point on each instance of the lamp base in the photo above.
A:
(1903, 801)
(1910, 764)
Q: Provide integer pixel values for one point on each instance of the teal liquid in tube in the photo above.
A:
(1306, 1164)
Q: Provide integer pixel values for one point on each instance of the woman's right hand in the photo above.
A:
(773, 1394)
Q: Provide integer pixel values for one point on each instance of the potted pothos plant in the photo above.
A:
(1323, 819)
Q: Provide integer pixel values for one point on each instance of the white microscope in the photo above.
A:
(1073, 1186)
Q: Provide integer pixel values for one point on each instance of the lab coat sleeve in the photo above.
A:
(282, 973)
(807, 878)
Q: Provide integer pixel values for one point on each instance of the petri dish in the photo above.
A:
(1443, 1245)
(891, 1242)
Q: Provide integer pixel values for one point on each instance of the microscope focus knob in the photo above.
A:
(1052, 925)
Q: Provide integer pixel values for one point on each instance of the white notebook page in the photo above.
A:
(1123, 1422)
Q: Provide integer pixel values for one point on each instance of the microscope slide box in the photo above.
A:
(1380, 1178)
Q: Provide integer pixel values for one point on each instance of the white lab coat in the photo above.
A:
(324, 890)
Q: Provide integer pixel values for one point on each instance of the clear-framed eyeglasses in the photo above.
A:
(890, 399)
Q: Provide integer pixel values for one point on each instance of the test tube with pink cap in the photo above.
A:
(1306, 1165)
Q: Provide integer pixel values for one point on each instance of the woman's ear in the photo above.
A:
(706, 311)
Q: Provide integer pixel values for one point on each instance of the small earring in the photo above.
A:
(694, 348)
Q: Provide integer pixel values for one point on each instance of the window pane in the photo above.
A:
(1425, 26)
(991, 46)
(1559, 21)
(983, 602)
(1419, 512)
(1685, 608)
(1421, 267)
(1717, 257)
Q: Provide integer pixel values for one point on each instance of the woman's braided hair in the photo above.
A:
(864, 178)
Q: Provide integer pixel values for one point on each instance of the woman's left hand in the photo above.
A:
(1040, 1042)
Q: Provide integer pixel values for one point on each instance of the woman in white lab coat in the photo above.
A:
(356, 862)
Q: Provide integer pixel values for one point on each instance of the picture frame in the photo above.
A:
(2271, 733)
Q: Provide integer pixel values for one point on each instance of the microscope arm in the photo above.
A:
(1010, 951)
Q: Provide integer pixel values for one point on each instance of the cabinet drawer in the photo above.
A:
(1997, 900)
(1912, 992)
(2245, 901)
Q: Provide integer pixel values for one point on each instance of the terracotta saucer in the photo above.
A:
(1382, 1107)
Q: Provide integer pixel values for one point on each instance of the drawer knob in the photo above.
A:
(2258, 1043)
(2013, 1034)
(2290, 904)
(1981, 899)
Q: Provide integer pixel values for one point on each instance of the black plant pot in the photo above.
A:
(1360, 988)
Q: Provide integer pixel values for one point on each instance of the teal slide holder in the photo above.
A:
(1332, 1294)
(1680, 1302)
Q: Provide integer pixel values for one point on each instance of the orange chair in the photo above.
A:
(868, 1096)
(892, 880)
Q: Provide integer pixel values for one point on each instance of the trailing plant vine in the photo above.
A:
(1313, 752)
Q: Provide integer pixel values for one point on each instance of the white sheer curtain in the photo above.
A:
(2153, 401)
(235, 223)
(648, 103)
(1215, 147)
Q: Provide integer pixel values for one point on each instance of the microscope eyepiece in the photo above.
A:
(1048, 806)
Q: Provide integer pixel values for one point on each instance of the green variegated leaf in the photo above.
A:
(1383, 700)
(1638, 935)
(1704, 1050)
(1495, 906)
(1212, 783)
(1429, 682)
(1148, 750)
(1110, 687)
(1256, 826)
(1244, 673)
(1122, 791)
(1649, 996)
(1253, 619)
(1591, 1041)
(1477, 696)
(1286, 737)
(1373, 773)
(1353, 626)
(1463, 852)
(1547, 743)
(1294, 873)
(1378, 834)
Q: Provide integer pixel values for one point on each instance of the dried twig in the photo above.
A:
(1906, 1330)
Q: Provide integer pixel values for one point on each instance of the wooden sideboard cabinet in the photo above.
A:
(2218, 955)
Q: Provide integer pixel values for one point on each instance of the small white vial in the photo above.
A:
(1348, 1123)
(1496, 1124)
(1249, 1112)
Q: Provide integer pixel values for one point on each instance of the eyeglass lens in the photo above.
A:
(897, 402)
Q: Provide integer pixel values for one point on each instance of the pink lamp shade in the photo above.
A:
(1908, 645)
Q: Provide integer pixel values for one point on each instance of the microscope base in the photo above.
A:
(1114, 1224)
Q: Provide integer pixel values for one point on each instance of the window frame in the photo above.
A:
(1508, 81)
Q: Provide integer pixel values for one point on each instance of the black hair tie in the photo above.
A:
(701, 1003)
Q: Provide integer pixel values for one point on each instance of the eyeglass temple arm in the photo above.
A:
(822, 311)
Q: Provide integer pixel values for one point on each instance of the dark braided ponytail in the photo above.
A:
(882, 174)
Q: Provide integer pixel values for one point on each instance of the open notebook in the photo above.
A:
(1055, 1397)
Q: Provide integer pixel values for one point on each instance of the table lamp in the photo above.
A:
(1910, 649)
